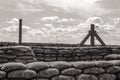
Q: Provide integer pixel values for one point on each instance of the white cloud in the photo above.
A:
(64, 20)
(62, 30)
(28, 8)
(95, 20)
(71, 19)
(26, 27)
(107, 26)
(13, 26)
(13, 21)
(81, 7)
(35, 32)
(116, 21)
(51, 19)
(72, 3)
(56, 19)
(48, 25)
(32, 1)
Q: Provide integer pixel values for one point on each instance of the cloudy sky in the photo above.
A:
(59, 21)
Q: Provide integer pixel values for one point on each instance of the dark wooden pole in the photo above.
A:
(20, 31)
(92, 41)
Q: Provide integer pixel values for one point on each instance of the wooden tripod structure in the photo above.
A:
(92, 34)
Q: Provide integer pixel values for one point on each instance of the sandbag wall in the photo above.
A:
(96, 70)
(21, 54)
(76, 53)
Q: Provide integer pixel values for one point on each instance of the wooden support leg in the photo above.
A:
(84, 40)
(99, 39)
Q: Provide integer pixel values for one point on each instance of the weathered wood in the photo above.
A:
(99, 39)
(92, 41)
(85, 39)
(92, 28)
(20, 31)
(92, 34)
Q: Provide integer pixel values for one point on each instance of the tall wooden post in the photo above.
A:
(92, 35)
(20, 31)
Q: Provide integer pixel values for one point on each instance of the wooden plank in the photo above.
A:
(92, 28)
(99, 39)
(92, 41)
(85, 39)
(20, 31)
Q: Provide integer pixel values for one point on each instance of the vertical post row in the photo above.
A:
(20, 31)
(92, 35)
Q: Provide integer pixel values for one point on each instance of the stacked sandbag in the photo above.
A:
(112, 57)
(76, 53)
(2, 73)
(97, 70)
(16, 70)
(43, 54)
(16, 54)
(43, 70)
(60, 70)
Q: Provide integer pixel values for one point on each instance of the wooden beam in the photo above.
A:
(85, 39)
(92, 27)
(20, 31)
(99, 39)
(92, 41)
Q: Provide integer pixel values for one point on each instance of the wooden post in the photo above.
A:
(20, 31)
(92, 35)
